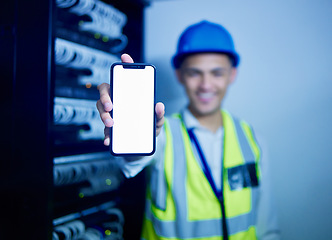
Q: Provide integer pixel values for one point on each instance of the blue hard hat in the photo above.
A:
(205, 37)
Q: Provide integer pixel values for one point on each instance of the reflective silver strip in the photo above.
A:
(182, 227)
(158, 185)
(200, 228)
(247, 152)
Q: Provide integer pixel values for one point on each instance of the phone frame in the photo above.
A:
(134, 66)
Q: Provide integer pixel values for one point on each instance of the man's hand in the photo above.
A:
(104, 105)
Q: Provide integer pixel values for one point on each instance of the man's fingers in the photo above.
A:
(160, 112)
(105, 99)
(126, 58)
(107, 136)
(160, 123)
(100, 107)
(105, 116)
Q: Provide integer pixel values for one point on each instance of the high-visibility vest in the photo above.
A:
(180, 201)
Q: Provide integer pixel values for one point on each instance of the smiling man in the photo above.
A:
(208, 179)
(206, 77)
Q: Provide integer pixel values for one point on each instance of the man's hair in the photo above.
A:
(229, 56)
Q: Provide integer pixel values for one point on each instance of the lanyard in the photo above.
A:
(204, 164)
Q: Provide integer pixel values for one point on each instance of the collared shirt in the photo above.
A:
(211, 142)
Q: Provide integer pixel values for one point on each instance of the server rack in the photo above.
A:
(57, 181)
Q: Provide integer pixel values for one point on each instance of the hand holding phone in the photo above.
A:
(132, 91)
(105, 106)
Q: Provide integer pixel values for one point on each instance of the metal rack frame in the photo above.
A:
(27, 76)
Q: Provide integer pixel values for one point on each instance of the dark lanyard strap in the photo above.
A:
(208, 175)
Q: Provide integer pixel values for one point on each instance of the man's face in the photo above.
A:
(206, 77)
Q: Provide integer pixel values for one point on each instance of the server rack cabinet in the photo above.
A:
(38, 145)
(26, 114)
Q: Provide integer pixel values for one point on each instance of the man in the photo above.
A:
(206, 177)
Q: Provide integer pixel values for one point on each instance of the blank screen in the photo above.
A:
(133, 110)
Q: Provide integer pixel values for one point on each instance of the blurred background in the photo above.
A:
(56, 177)
(283, 88)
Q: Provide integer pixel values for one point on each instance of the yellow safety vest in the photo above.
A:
(180, 201)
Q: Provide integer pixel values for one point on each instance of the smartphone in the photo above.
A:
(132, 92)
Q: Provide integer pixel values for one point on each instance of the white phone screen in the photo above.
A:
(133, 97)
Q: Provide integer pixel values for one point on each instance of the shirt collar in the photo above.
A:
(191, 122)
